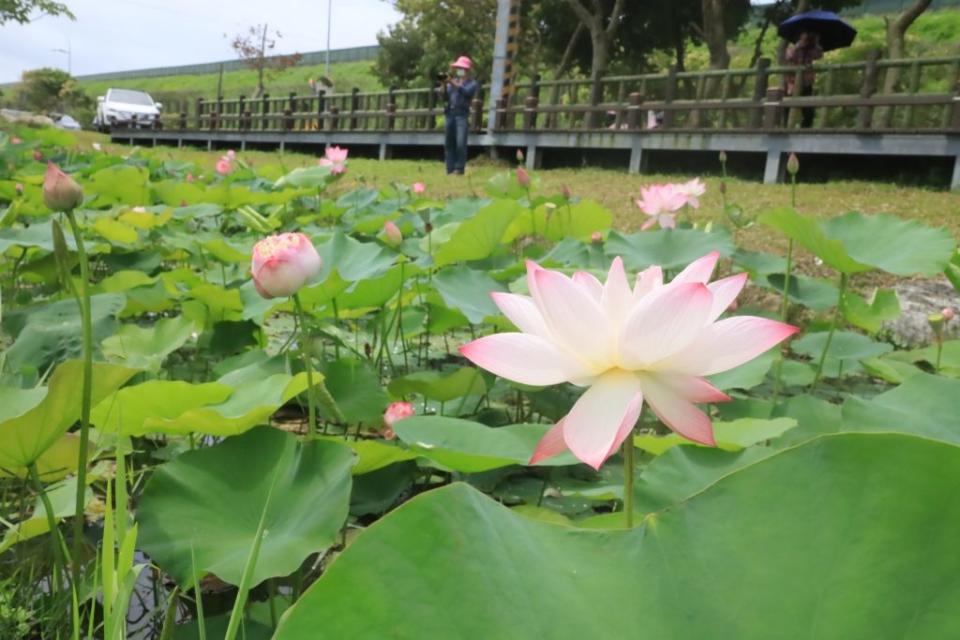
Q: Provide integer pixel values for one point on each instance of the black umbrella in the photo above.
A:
(833, 31)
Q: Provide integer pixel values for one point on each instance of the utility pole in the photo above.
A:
(329, 18)
(504, 53)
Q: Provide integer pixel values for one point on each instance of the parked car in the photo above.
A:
(66, 122)
(126, 108)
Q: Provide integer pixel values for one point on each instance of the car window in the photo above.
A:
(130, 97)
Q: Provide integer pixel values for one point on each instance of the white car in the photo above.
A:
(126, 108)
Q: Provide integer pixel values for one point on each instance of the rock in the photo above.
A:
(32, 119)
(918, 300)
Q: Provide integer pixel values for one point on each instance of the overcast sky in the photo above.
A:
(113, 35)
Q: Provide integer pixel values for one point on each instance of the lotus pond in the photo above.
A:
(248, 402)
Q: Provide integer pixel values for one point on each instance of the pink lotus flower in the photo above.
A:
(60, 191)
(693, 190)
(418, 188)
(654, 343)
(523, 177)
(392, 233)
(224, 166)
(660, 202)
(395, 412)
(283, 263)
(336, 159)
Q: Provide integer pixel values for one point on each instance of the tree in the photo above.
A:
(432, 34)
(602, 24)
(20, 10)
(896, 48)
(254, 49)
(46, 90)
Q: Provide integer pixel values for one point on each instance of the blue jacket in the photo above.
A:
(458, 98)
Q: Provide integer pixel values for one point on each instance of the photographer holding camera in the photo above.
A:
(457, 91)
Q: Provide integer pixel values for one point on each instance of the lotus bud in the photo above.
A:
(948, 314)
(565, 190)
(596, 237)
(428, 227)
(190, 178)
(723, 157)
(283, 263)
(392, 233)
(523, 177)
(396, 412)
(520, 155)
(37, 156)
(19, 188)
(60, 191)
(15, 140)
(418, 188)
(793, 164)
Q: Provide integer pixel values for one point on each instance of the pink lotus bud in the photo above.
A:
(19, 188)
(793, 164)
(523, 177)
(392, 233)
(565, 190)
(224, 166)
(283, 263)
(37, 156)
(596, 237)
(948, 314)
(396, 412)
(15, 140)
(231, 155)
(520, 155)
(190, 178)
(60, 191)
(418, 188)
(723, 157)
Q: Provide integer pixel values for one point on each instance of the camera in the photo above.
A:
(442, 76)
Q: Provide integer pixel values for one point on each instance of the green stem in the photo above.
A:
(628, 468)
(403, 341)
(305, 351)
(833, 328)
(58, 567)
(87, 391)
(939, 351)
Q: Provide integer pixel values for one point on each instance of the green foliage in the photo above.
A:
(49, 89)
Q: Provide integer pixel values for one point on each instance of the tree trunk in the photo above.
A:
(598, 67)
(715, 37)
(896, 48)
(601, 39)
(568, 52)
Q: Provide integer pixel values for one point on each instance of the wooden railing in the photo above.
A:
(847, 96)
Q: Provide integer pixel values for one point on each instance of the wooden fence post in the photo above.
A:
(476, 108)
(501, 121)
(391, 108)
(199, 122)
(334, 118)
(265, 111)
(184, 105)
(772, 108)
(241, 113)
(760, 92)
(633, 111)
(290, 121)
(669, 95)
(215, 120)
(354, 107)
(321, 108)
(868, 88)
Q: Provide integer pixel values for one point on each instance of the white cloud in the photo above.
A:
(113, 35)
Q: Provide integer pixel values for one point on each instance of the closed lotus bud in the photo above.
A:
(565, 190)
(37, 156)
(596, 237)
(418, 188)
(392, 234)
(15, 140)
(519, 155)
(19, 188)
(428, 227)
(948, 314)
(283, 263)
(367, 349)
(190, 177)
(396, 412)
(723, 157)
(60, 191)
(523, 177)
(793, 164)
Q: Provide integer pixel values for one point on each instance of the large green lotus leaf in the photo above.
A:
(26, 435)
(148, 347)
(478, 237)
(789, 546)
(315, 177)
(251, 404)
(115, 231)
(576, 221)
(814, 417)
(468, 291)
(472, 447)
(352, 259)
(930, 404)
(36, 235)
(669, 248)
(374, 292)
(809, 233)
(870, 315)
(144, 408)
(356, 389)
(51, 332)
(373, 455)
(119, 184)
(949, 357)
(466, 381)
(123, 281)
(812, 293)
(902, 247)
(846, 350)
(208, 503)
(730, 436)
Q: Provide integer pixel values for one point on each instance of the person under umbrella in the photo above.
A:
(803, 54)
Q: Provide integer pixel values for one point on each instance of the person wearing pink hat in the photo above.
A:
(457, 91)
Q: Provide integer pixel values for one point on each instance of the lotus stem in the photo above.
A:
(305, 352)
(628, 468)
(833, 328)
(87, 391)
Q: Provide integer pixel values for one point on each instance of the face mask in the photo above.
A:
(461, 73)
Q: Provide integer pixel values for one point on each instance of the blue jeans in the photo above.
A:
(455, 142)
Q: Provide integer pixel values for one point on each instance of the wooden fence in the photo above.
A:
(846, 97)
